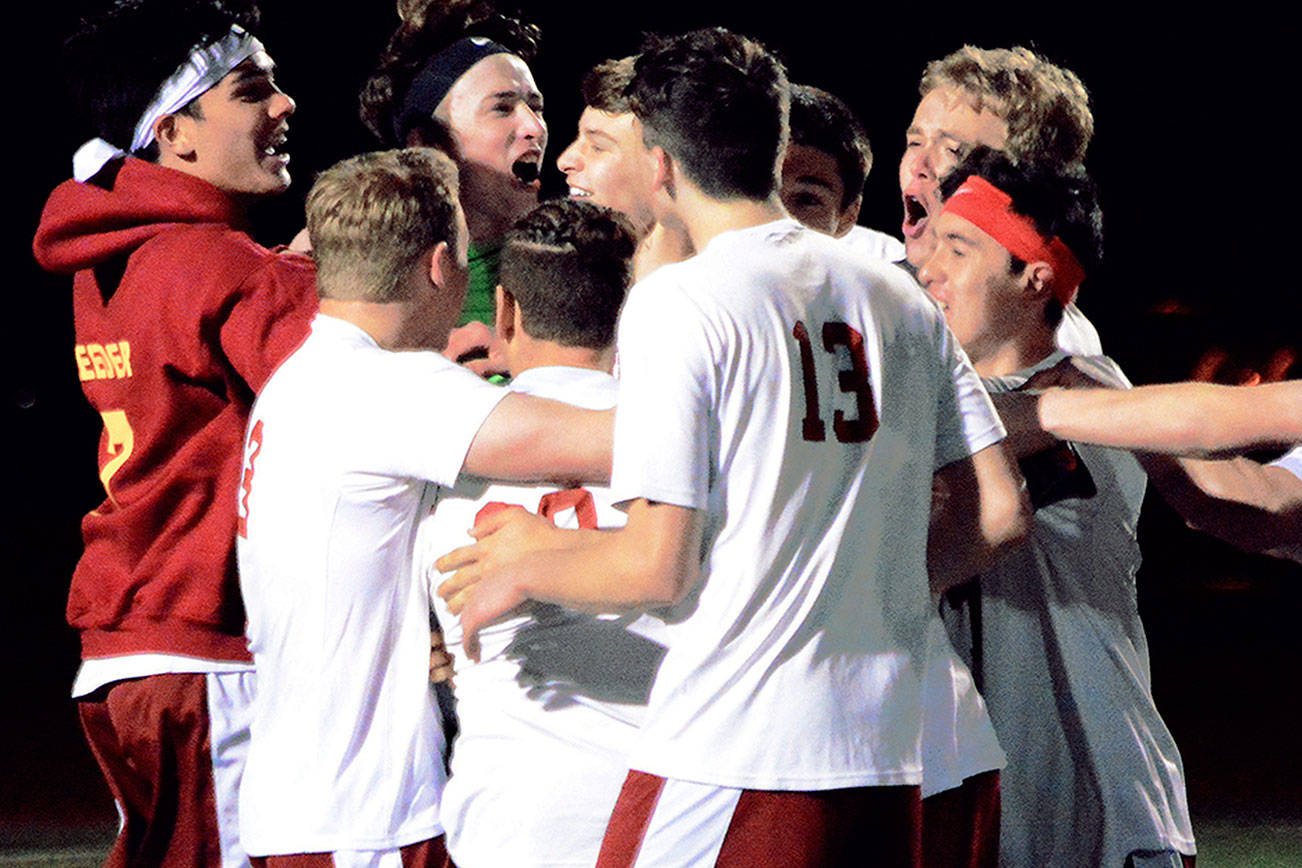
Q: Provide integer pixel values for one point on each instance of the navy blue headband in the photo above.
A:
(436, 78)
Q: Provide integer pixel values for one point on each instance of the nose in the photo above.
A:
(569, 161)
(929, 273)
(531, 124)
(918, 162)
(282, 105)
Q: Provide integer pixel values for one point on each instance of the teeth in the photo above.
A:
(577, 193)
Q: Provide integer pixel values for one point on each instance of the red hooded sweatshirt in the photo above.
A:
(180, 317)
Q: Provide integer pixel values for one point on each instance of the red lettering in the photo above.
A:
(255, 440)
(852, 381)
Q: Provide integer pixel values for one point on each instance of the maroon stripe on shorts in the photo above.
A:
(878, 826)
(430, 853)
(629, 820)
(294, 860)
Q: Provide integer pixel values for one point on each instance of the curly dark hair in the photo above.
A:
(117, 59)
(429, 26)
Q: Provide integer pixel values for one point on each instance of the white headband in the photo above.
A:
(205, 66)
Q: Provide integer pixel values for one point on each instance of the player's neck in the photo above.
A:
(704, 217)
(390, 324)
(660, 247)
(1020, 352)
(545, 354)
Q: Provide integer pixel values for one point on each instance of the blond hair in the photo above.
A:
(372, 217)
(1045, 106)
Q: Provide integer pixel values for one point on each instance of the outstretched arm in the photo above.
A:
(529, 439)
(1192, 419)
(1253, 506)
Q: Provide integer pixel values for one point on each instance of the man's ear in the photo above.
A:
(173, 134)
(849, 216)
(507, 315)
(1038, 278)
(664, 171)
(441, 262)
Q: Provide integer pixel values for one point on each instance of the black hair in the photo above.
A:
(716, 102)
(823, 121)
(605, 86)
(117, 59)
(568, 265)
(428, 27)
(1061, 202)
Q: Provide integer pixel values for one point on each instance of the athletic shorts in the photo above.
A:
(664, 822)
(423, 854)
(960, 827)
(172, 749)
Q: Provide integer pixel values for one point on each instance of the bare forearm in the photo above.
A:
(1254, 507)
(653, 561)
(527, 439)
(1198, 419)
(600, 572)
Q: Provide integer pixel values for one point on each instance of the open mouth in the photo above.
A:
(276, 147)
(526, 169)
(580, 193)
(915, 216)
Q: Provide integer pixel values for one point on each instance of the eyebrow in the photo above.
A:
(915, 130)
(814, 181)
(522, 94)
(594, 133)
(247, 70)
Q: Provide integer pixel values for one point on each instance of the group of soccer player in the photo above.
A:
(756, 572)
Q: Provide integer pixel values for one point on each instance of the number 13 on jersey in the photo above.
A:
(852, 381)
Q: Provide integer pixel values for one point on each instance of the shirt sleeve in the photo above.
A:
(269, 315)
(967, 421)
(665, 416)
(419, 416)
(1291, 461)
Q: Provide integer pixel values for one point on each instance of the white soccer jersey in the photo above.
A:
(958, 740)
(1076, 335)
(871, 242)
(801, 397)
(346, 742)
(1093, 773)
(549, 712)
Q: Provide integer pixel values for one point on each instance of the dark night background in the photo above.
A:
(1193, 158)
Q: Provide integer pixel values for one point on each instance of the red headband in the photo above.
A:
(989, 209)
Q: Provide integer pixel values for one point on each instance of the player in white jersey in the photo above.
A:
(345, 760)
(823, 175)
(783, 408)
(1010, 99)
(550, 709)
(1093, 776)
(1187, 435)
